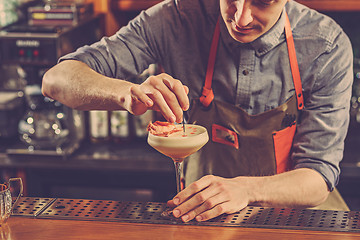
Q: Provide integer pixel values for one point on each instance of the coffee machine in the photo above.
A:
(46, 127)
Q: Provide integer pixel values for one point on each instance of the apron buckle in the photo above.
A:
(207, 96)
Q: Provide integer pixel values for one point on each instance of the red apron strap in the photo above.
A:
(207, 94)
(294, 64)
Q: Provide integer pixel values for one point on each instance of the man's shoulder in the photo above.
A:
(311, 24)
(205, 5)
(194, 11)
(208, 6)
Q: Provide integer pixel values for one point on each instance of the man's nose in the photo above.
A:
(243, 15)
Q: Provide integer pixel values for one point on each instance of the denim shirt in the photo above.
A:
(255, 76)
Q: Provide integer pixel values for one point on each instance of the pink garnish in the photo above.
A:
(163, 129)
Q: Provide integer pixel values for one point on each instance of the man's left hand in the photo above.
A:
(210, 197)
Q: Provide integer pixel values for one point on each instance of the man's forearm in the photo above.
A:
(74, 84)
(298, 188)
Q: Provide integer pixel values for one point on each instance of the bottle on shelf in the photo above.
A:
(120, 130)
(99, 126)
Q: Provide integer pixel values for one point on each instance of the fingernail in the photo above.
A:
(149, 103)
(172, 119)
(176, 213)
(186, 107)
(185, 217)
(199, 218)
(176, 201)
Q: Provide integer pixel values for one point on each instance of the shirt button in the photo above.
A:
(245, 72)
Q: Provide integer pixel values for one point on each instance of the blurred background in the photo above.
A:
(61, 152)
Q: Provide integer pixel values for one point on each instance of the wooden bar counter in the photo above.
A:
(59, 218)
(23, 228)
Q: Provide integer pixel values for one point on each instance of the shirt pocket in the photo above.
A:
(283, 140)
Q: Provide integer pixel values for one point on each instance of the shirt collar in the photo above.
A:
(263, 44)
(272, 38)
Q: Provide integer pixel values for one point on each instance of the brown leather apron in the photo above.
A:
(242, 144)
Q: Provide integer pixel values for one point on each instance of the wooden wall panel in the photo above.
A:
(332, 5)
(118, 12)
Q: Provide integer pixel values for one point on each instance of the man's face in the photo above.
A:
(246, 20)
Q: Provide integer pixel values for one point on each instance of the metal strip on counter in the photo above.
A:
(149, 212)
(31, 206)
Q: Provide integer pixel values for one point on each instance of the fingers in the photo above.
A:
(193, 189)
(207, 205)
(214, 212)
(171, 204)
(141, 96)
(194, 196)
(179, 89)
(166, 101)
(165, 94)
(207, 198)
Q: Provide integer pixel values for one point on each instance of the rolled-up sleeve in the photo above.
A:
(319, 142)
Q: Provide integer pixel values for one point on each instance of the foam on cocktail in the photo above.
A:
(178, 144)
(190, 130)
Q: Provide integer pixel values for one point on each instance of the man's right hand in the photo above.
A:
(161, 93)
(77, 86)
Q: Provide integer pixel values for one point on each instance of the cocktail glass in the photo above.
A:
(180, 145)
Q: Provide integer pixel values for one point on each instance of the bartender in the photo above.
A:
(269, 79)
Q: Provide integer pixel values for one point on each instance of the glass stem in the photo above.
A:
(178, 164)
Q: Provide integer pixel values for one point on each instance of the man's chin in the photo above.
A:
(243, 39)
